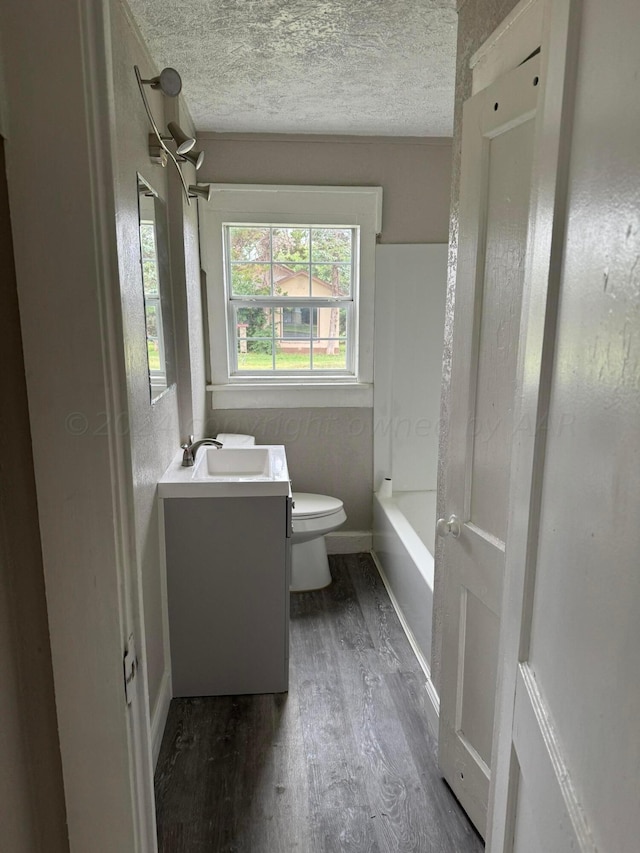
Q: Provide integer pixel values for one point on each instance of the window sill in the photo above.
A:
(299, 395)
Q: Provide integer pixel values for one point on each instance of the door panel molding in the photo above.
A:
(561, 822)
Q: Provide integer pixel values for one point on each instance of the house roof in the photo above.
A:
(289, 274)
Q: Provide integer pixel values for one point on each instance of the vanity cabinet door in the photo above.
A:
(228, 595)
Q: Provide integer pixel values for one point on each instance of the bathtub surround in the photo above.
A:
(410, 301)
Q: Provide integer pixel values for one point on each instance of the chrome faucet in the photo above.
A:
(191, 448)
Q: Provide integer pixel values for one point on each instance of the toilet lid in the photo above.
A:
(314, 506)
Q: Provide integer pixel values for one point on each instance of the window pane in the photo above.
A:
(297, 323)
(329, 355)
(149, 258)
(251, 279)
(331, 279)
(331, 244)
(147, 239)
(249, 244)
(291, 279)
(254, 325)
(153, 355)
(255, 355)
(328, 324)
(342, 323)
(150, 277)
(290, 244)
(153, 347)
(293, 355)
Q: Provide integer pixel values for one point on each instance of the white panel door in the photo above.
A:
(497, 151)
(535, 805)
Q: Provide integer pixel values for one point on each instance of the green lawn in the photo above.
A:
(291, 361)
(154, 355)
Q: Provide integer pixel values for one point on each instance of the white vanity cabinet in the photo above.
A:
(228, 574)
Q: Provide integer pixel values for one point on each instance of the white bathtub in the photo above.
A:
(403, 537)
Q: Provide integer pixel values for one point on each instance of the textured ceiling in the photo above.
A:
(382, 67)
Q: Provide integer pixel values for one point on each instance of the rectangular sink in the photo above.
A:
(233, 462)
(228, 472)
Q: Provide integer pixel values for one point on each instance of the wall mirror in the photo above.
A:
(154, 259)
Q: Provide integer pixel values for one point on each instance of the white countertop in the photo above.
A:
(196, 482)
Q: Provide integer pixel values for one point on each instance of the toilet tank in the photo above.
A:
(235, 439)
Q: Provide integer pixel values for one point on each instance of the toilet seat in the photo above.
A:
(308, 506)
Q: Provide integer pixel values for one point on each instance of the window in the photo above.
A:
(291, 299)
(289, 287)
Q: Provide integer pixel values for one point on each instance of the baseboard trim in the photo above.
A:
(433, 700)
(159, 715)
(349, 542)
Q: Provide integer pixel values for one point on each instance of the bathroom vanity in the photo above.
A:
(226, 525)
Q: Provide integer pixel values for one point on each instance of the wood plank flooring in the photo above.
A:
(343, 763)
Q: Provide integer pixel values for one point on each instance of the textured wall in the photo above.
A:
(156, 429)
(415, 173)
(476, 21)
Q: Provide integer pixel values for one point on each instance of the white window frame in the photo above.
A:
(274, 205)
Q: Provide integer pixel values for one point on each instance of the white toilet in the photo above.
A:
(313, 516)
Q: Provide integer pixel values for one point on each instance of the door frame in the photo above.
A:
(559, 38)
(62, 200)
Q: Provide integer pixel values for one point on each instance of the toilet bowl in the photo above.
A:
(312, 517)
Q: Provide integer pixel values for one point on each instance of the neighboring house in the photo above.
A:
(293, 325)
